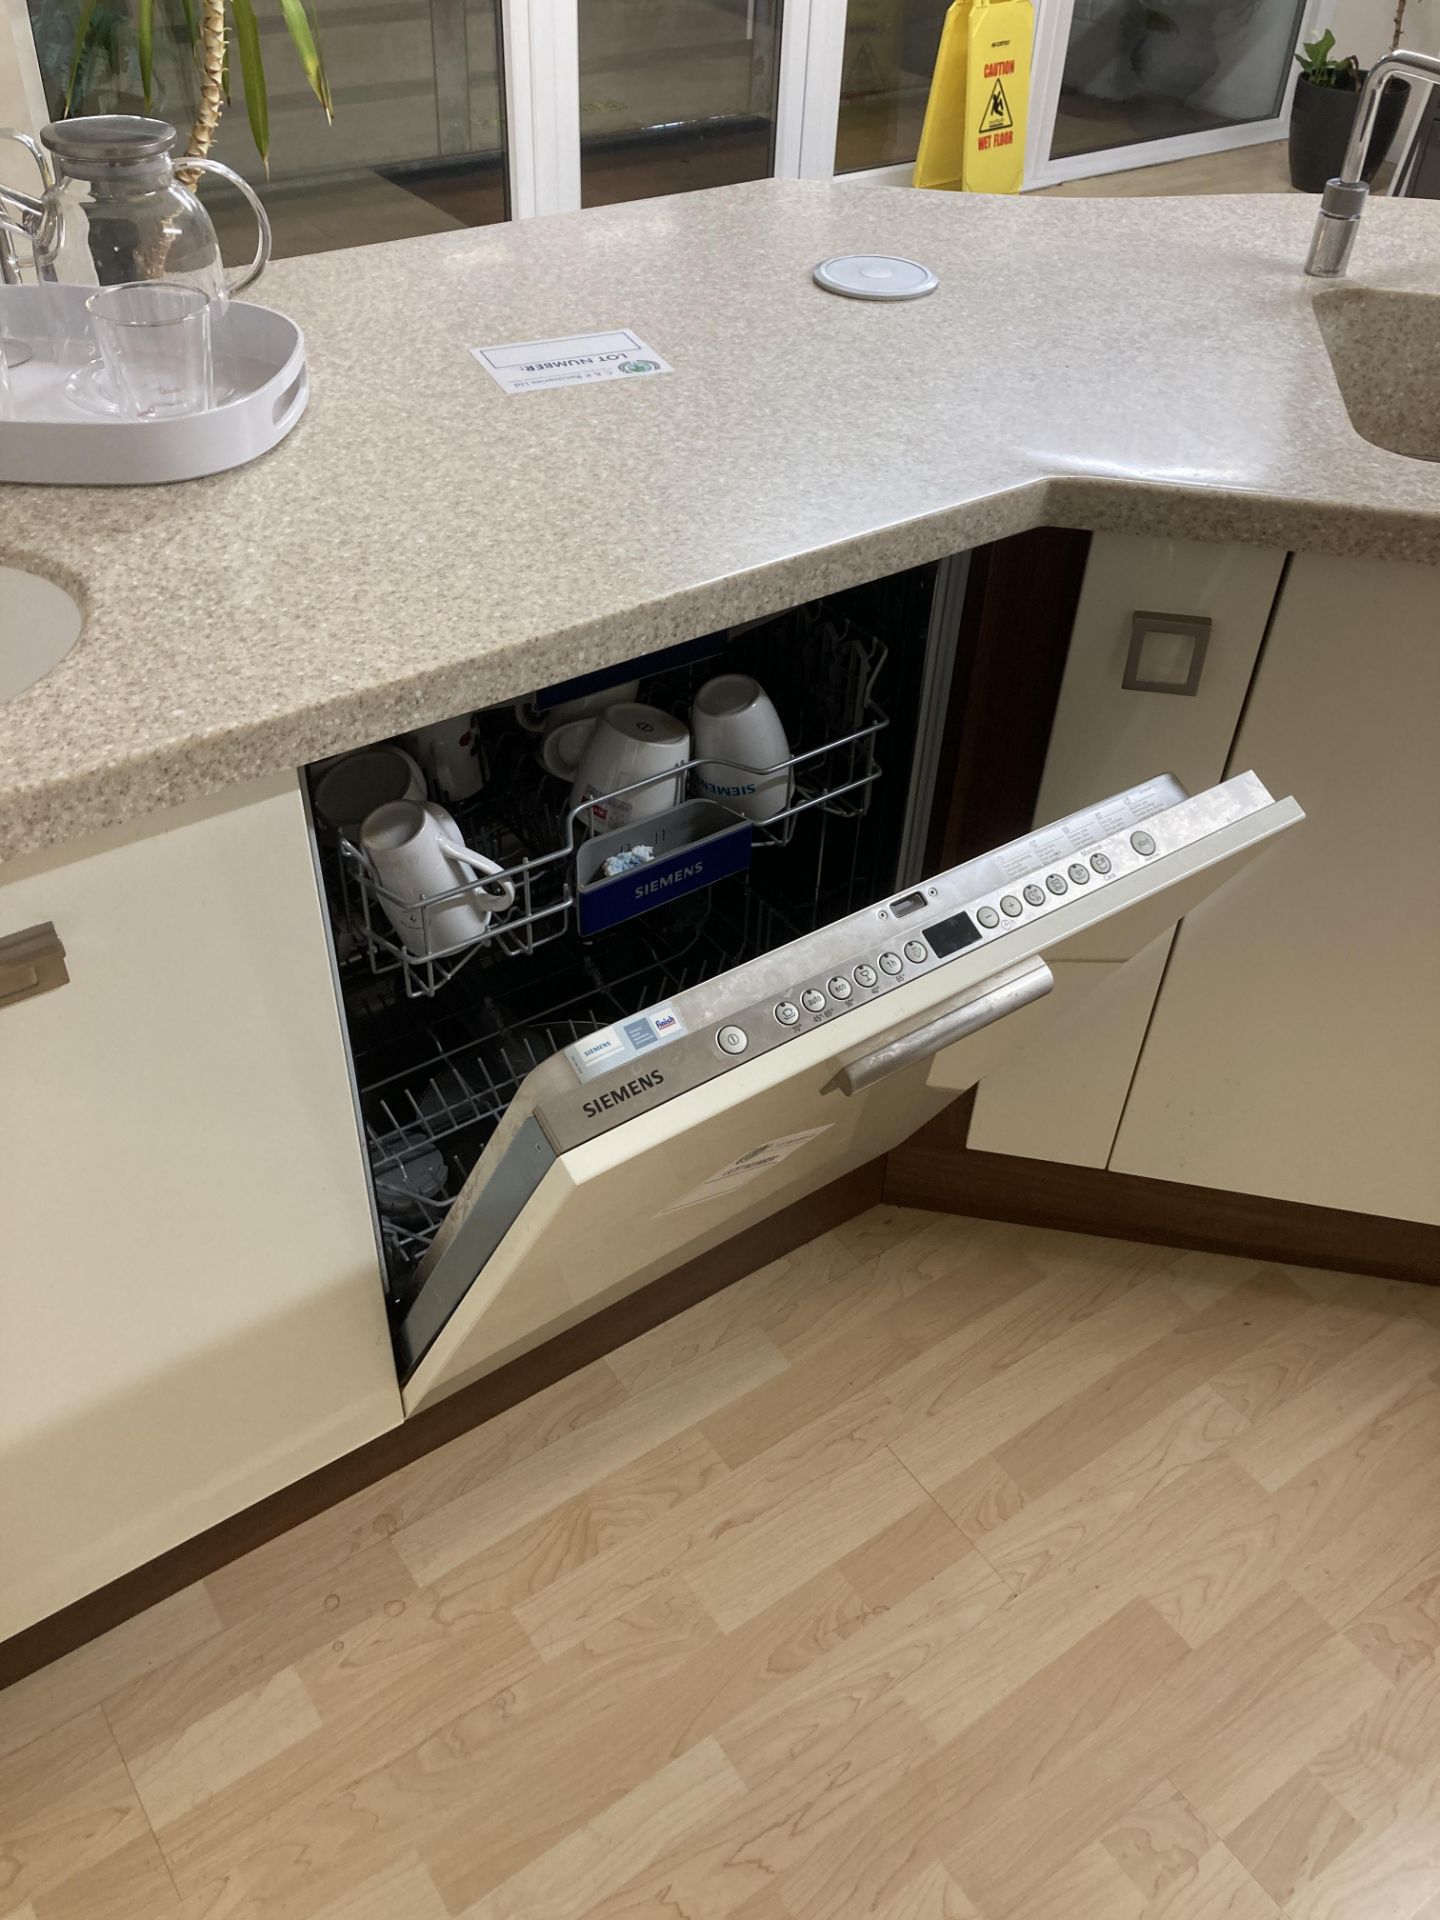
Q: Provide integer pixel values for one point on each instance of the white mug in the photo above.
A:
(447, 753)
(738, 730)
(631, 742)
(586, 707)
(562, 748)
(353, 786)
(415, 853)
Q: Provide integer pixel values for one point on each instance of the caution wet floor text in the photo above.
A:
(974, 134)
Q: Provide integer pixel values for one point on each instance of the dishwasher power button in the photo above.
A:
(732, 1040)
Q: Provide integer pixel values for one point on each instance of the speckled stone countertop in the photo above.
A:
(424, 542)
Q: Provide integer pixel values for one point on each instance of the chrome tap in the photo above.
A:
(1343, 201)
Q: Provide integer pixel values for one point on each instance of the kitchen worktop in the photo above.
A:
(424, 542)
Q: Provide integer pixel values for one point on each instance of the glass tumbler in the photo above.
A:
(154, 338)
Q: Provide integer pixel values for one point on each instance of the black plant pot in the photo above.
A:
(1320, 123)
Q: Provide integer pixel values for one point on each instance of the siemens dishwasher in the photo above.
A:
(677, 1026)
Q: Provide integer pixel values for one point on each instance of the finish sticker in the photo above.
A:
(573, 361)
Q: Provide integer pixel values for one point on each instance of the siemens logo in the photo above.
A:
(665, 880)
(627, 1090)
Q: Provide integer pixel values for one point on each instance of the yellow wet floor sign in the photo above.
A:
(974, 134)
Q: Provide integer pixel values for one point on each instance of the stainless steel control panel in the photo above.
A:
(723, 1022)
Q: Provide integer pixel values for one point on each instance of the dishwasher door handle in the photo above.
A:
(1006, 994)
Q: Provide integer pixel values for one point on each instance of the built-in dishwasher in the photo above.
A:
(664, 1027)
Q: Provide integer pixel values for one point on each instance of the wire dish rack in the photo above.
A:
(434, 1085)
(821, 672)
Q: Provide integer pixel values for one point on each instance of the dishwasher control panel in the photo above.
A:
(720, 1024)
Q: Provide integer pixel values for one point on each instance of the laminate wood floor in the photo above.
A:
(941, 1571)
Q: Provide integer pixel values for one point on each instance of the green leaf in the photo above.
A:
(306, 35)
(192, 24)
(252, 76)
(145, 48)
(77, 56)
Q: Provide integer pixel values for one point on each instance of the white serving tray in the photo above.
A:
(53, 441)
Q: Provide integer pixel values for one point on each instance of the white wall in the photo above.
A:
(1364, 27)
(22, 100)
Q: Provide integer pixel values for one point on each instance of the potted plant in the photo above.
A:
(1323, 112)
(112, 40)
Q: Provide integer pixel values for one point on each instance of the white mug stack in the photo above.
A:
(415, 853)
(738, 734)
(630, 742)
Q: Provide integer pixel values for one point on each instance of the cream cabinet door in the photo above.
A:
(1062, 1098)
(1295, 1048)
(191, 1294)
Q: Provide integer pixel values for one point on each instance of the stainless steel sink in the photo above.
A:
(1385, 349)
(39, 624)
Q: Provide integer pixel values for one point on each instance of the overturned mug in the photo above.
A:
(631, 743)
(415, 853)
(734, 720)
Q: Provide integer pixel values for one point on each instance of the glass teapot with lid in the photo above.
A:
(115, 208)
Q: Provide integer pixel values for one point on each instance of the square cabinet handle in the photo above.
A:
(1166, 653)
(31, 962)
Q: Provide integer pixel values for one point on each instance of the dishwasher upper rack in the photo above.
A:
(834, 776)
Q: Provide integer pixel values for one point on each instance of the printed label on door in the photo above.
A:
(739, 1173)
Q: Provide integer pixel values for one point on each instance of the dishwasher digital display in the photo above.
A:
(952, 935)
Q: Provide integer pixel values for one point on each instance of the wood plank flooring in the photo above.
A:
(942, 1570)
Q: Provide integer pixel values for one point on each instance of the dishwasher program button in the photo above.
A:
(917, 951)
(732, 1039)
(891, 963)
(866, 976)
(813, 1000)
(839, 987)
(1078, 873)
(1035, 895)
(787, 1013)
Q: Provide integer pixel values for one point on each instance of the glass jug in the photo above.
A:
(114, 208)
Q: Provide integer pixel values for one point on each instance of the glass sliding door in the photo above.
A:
(1137, 71)
(675, 94)
(889, 54)
(417, 144)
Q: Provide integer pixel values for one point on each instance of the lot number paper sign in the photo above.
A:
(573, 361)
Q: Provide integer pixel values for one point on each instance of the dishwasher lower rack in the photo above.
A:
(433, 1086)
(521, 818)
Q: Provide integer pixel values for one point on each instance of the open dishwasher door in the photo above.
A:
(645, 1144)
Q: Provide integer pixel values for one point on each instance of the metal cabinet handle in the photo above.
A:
(1005, 995)
(31, 962)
